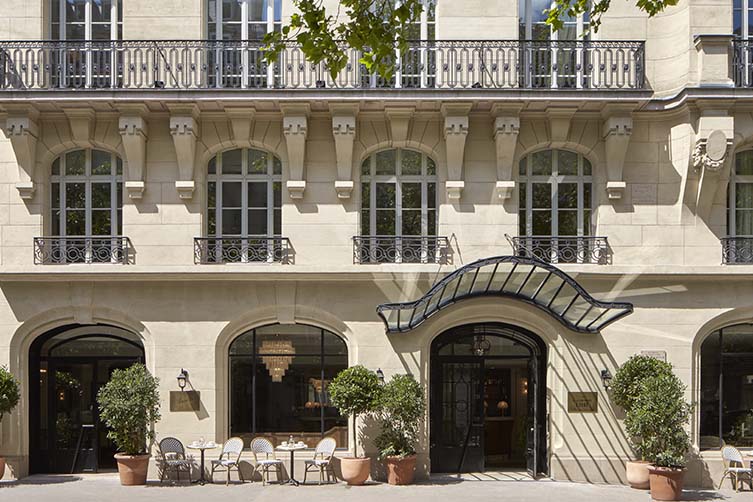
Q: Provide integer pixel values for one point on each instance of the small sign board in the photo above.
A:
(582, 402)
(184, 400)
(661, 355)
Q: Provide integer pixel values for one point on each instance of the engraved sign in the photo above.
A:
(716, 145)
(184, 400)
(582, 402)
(661, 355)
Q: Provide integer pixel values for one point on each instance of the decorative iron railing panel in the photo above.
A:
(742, 62)
(201, 64)
(532, 281)
(215, 250)
(64, 250)
(552, 249)
(737, 250)
(395, 249)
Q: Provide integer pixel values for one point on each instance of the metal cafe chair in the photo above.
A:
(230, 458)
(173, 457)
(263, 446)
(322, 460)
(734, 467)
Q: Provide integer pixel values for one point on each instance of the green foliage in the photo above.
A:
(658, 419)
(10, 392)
(129, 405)
(627, 382)
(400, 410)
(355, 391)
(564, 10)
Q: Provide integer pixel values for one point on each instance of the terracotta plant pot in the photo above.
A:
(401, 470)
(637, 474)
(132, 468)
(355, 470)
(666, 482)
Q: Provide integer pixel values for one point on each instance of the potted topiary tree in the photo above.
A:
(129, 405)
(659, 417)
(400, 411)
(10, 394)
(355, 392)
(625, 387)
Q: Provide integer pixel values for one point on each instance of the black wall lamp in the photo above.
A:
(606, 379)
(182, 378)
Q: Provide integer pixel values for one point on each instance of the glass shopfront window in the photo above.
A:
(278, 384)
(726, 403)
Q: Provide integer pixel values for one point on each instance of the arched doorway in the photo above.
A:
(67, 366)
(488, 400)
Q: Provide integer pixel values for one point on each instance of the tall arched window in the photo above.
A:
(279, 376)
(244, 207)
(726, 403)
(398, 208)
(738, 246)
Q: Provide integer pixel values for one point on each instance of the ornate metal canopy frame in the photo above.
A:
(529, 280)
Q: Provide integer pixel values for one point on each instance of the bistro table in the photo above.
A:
(292, 448)
(203, 446)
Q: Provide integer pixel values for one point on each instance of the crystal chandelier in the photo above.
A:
(480, 345)
(279, 363)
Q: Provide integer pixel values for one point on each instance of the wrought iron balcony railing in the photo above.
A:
(197, 64)
(553, 249)
(742, 62)
(401, 249)
(213, 250)
(737, 250)
(64, 250)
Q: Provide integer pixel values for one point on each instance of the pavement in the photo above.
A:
(481, 487)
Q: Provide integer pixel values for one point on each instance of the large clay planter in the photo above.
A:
(637, 474)
(401, 470)
(666, 483)
(132, 468)
(355, 471)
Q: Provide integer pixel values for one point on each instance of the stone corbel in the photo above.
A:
(455, 134)
(559, 123)
(506, 131)
(23, 133)
(240, 122)
(184, 130)
(295, 128)
(133, 131)
(344, 131)
(710, 155)
(81, 121)
(399, 120)
(616, 133)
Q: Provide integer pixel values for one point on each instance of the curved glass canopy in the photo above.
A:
(529, 280)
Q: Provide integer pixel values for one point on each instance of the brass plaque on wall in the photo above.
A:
(184, 400)
(582, 402)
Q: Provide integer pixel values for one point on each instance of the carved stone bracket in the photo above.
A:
(399, 119)
(710, 156)
(711, 153)
(81, 121)
(240, 122)
(616, 133)
(23, 133)
(559, 123)
(506, 131)
(184, 130)
(455, 134)
(295, 128)
(344, 131)
(133, 130)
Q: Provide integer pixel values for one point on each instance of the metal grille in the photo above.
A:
(593, 250)
(63, 250)
(406, 249)
(737, 250)
(209, 250)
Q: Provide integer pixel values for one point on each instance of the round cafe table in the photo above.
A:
(202, 447)
(292, 449)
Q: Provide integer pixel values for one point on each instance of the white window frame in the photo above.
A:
(734, 180)
(746, 7)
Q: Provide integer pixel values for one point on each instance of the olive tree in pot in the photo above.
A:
(129, 405)
(354, 392)
(625, 388)
(10, 394)
(659, 417)
(400, 411)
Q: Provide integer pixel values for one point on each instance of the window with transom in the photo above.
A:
(740, 196)
(86, 19)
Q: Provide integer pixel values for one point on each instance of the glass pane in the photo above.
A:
(744, 222)
(567, 163)
(586, 167)
(75, 222)
(385, 222)
(541, 163)
(277, 217)
(411, 222)
(431, 220)
(257, 162)
(276, 166)
(567, 222)
(75, 195)
(75, 163)
(55, 222)
(365, 222)
(744, 163)
(522, 167)
(277, 194)
(257, 222)
(431, 167)
(411, 195)
(385, 195)
(101, 224)
(212, 194)
(410, 162)
(231, 194)
(101, 195)
(257, 194)
(55, 195)
(231, 162)
(709, 401)
(542, 195)
(542, 223)
(567, 195)
(55, 171)
(385, 162)
(587, 195)
(212, 166)
(231, 222)
(431, 195)
(744, 195)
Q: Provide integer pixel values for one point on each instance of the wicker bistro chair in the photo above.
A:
(734, 467)
(173, 457)
(265, 459)
(322, 460)
(230, 458)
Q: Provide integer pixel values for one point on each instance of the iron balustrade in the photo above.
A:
(96, 249)
(217, 250)
(737, 250)
(742, 62)
(554, 249)
(202, 64)
(400, 249)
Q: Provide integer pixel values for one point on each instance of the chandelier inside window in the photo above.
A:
(278, 363)
(480, 345)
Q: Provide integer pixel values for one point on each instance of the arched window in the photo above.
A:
(244, 206)
(279, 376)
(726, 403)
(398, 207)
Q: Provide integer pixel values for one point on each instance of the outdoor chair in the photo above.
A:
(734, 467)
(322, 460)
(230, 458)
(173, 457)
(265, 459)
